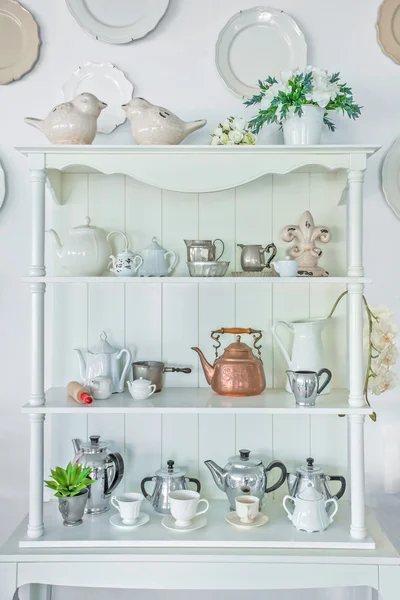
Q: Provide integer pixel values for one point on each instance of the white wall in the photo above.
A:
(174, 66)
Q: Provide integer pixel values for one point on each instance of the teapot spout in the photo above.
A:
(76, 444)
(290, 375)
(219, 474)
(56, 241)
(82, 364)
(207, 368)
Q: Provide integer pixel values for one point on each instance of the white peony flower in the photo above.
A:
(215, 140)
(387, 357)
(217, 131)
(239, 123)
(384, 380)
(383, 332)
(286, 75)
(322, 98)
(249, 138)
(235, 136)
(224, 139)
(226, 125)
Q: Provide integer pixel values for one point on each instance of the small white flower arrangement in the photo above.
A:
(233, 131)
(279, 100)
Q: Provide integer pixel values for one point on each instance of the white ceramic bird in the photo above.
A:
(156, 125)
(72, 122)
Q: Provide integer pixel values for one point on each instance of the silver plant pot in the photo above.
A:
(72, 508)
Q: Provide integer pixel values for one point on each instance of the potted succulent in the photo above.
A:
(71, 488)
(300, 102)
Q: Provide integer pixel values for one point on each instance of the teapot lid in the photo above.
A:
(87, 225)
(94, 445)
(243, 460)
(309, 468)
(154, 245)
(310, 494)
(103, 347)
(238, 350)
(170, 471)
(140, 383)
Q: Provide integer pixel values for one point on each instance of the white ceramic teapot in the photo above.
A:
(309, 510)
(104, 360)
(126, 263)
(141, 389)
(155, 263)
(86, 251)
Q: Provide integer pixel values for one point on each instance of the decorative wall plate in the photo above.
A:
(2, 186)
(108, 84)
(118, 21)
(391, 177)
(388, 27)
(19, 41)
(256, 43)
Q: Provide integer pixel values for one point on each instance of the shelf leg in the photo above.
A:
(355, 326)
(355, 221)
(35, 525)
(358, 529)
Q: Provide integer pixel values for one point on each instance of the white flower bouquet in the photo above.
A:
(233, 131)
(309, 86)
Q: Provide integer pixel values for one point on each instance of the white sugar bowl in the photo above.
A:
(141, 389)
(157, 262)
(126, 263)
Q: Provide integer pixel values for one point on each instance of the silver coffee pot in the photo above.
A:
(245, 475)
(107, 471)
(203, 250)
(311, 474)
(166, 481)
(253, 256)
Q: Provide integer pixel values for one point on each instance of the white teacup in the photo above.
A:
(128, 506)
(184, 506)
(286, 268)
(247, 508)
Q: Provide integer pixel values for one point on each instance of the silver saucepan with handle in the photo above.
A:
(154, 371)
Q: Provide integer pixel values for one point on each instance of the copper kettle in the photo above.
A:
(238, 372)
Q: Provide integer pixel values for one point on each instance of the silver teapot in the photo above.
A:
(107, 471)
(166, 481)
(311, 474)
(245, 475)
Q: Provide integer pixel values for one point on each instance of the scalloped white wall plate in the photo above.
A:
(19, 41)
(118, 21)
(2, 186)
(388, 27)
(256, 43)
(391, 177)
(108, 84)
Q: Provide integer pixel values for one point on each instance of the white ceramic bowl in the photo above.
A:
(208, 269)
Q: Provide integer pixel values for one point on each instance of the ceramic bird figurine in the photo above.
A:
(156, 125)
(72, 122)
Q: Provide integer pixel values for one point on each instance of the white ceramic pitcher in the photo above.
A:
(307, 352)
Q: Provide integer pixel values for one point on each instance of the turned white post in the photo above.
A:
(35, 525)
(358, 529)
(355, 221)
(37, 397)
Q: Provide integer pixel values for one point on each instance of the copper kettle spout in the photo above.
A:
(207, 368)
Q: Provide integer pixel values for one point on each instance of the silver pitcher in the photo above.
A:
(107, 471)
(305, 385)
(166, 481)
(203, 250)
(253, 256)
(245, 475)
(72, 508)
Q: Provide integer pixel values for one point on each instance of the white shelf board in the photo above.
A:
(97, 532)
(216, 280)
(199, 401)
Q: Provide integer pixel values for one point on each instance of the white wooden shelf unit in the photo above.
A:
(210, 174)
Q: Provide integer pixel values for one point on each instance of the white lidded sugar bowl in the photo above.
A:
(308, 511)
(155, 261)
(86, 251)
(126, 263)
(141, 389)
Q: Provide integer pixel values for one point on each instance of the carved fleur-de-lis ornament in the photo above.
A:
(306, 252)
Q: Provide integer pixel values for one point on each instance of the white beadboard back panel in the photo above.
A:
(163, 321)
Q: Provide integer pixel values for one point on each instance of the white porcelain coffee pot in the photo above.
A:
(309, 510)
(86, 251)
(155, 263)
(104, 360)
(126, 263)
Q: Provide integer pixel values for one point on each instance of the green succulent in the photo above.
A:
(70, 481)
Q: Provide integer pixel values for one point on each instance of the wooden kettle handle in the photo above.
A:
(237, 330)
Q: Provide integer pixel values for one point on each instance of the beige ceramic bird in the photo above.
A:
(156, 125)
(72, 122)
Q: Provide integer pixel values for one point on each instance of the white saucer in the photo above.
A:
(116, 521)
(233, 519)
(197, 523)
